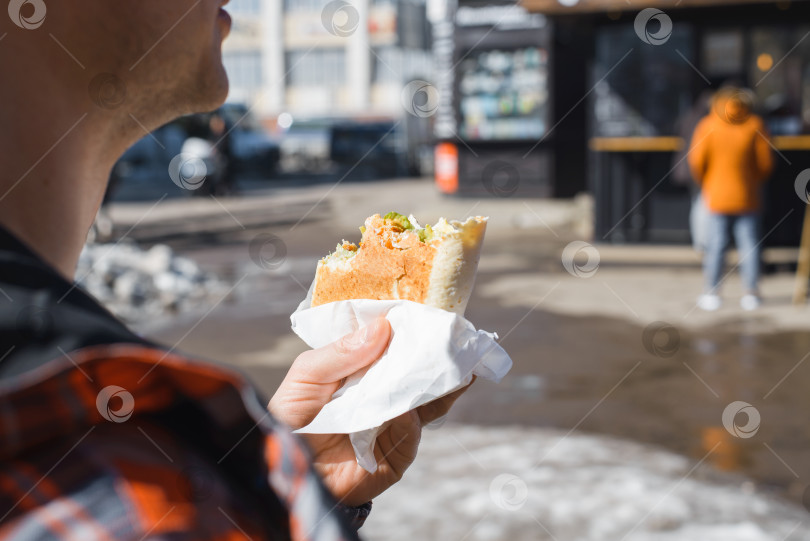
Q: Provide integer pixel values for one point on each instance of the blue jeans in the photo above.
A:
(746, 236)
(698, 215)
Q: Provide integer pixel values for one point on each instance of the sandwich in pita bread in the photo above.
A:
(399, 259)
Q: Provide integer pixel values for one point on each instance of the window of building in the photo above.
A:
(244, 70)
(245, 7)
(503, 94)
(386, 66)
(304, 5)
(324, 67)
(722, 53)
(779, 75)
(641, 91)
(393, 65)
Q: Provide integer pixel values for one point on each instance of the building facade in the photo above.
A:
(330, 58)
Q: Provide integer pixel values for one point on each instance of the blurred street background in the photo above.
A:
(630, 413)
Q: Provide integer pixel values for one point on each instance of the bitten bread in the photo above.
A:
(399, 259)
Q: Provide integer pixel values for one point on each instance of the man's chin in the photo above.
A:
(210, 94)
(222, 86)
(220, 93)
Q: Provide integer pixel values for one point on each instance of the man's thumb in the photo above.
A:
(340, 359)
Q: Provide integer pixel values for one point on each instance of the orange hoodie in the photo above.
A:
(730, 156)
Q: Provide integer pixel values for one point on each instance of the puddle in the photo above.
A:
(662, 386)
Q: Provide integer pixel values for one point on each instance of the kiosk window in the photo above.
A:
(503, 94)
(779, 74)
(641, 90)
(723, 52)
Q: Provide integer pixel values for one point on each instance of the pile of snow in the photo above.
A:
(136, 284)
(480, 483)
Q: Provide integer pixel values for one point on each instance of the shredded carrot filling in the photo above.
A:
(390, 233)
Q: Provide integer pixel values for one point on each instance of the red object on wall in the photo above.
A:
(446, 167)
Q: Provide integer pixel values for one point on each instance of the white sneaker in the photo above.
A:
(709, 302)
(750, 302)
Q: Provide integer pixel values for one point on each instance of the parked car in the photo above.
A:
(143, 170)
(366, 150)
(305, 146)
(255, 152)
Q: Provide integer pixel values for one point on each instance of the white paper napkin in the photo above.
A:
(432, 353)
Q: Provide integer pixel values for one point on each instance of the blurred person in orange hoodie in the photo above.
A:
(730, 158)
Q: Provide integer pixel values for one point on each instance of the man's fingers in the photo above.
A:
(439, 407)
(340, 359)
(398, 444)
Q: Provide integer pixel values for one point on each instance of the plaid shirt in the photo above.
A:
(115, 440)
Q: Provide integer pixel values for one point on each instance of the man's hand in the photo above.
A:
(309, 385)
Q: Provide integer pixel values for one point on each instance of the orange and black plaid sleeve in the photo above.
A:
(129, 442)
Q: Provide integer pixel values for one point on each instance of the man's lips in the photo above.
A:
(225, 18)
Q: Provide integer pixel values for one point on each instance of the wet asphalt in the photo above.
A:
(589, 374)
